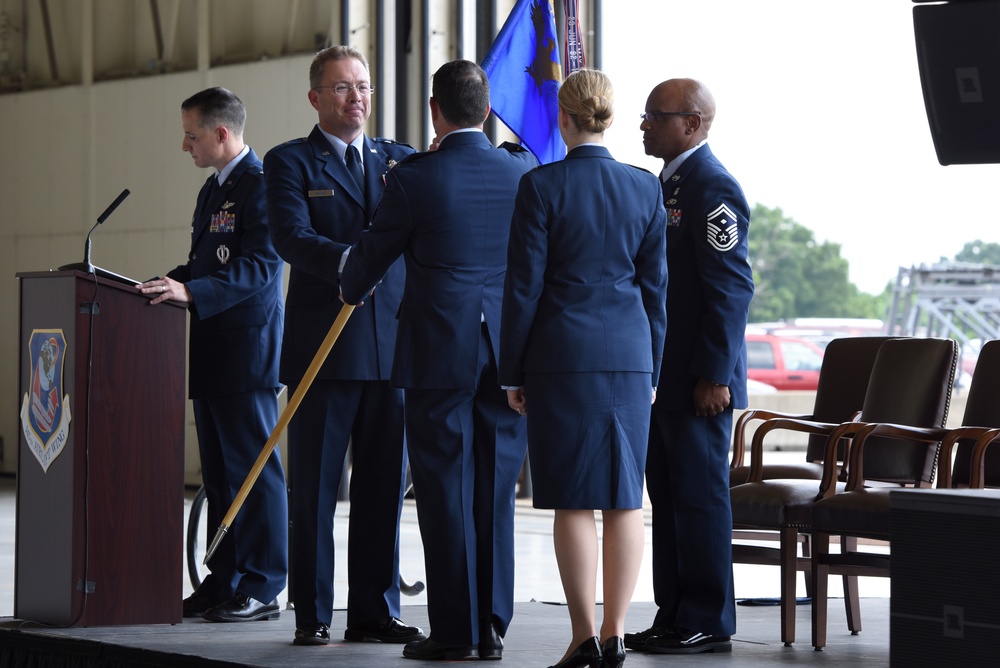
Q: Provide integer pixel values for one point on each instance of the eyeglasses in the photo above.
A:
(344, 89)
(651, 116)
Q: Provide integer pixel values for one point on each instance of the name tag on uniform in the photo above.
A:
(321, 193)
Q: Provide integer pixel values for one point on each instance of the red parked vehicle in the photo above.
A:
(784, 362)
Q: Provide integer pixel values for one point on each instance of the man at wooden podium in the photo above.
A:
(232, 286)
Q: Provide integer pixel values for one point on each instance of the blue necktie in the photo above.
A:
(213, 190)
(353, 160)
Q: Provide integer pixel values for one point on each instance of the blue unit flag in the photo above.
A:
(525, 73)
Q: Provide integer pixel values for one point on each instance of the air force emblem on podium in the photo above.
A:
(45, 414)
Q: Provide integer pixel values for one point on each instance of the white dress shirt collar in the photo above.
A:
(228, 169)
(674, 164)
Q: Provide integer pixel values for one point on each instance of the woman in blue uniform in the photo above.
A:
(581, 338)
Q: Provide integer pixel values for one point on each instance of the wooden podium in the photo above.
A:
(100, 466)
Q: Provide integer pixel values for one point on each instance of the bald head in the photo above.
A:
(688, 95)
(679, 113)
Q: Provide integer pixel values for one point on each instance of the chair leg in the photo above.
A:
(788, 551)
(819, 576)
(852, 601)
(806, 554)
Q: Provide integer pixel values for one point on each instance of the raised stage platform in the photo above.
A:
(537, 637)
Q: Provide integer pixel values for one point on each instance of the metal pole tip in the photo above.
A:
(215, 542)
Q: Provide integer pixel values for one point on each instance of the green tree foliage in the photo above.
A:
(796, 277)
(977, 252)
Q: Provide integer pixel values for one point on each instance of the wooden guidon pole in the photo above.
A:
(286, 415)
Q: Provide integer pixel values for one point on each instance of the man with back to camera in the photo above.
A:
(448, 213)
(321, 192)
(232, 286)
(710, 285)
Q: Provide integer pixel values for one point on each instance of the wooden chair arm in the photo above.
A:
(739, 434)
(846, 430)
(855, 469)
(791, 424)
(948, 444)
(976, 479)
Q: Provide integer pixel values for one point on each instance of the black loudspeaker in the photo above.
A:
(943, 590)
(958, 53)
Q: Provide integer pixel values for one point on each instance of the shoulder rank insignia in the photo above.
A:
(723, 233)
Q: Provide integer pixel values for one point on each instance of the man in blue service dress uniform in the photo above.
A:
(703, 377)
(321, 192)
(232, 285)
(448, 213)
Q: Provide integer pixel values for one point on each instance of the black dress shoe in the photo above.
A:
(198, 603)
(637, 641)
(490, 643)
(242, 608)
(389, 629)
(587, 654)
(613, 653)
(432, 650)
(313, 634)
(683, 641)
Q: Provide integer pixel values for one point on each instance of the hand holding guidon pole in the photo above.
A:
(279, 428)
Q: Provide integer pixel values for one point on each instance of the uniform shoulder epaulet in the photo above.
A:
(411, 157)
(291, 142)
(641, 169)
(512, 147)
(386, 140)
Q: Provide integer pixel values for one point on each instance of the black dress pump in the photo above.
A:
(613, 653)
(587, 655)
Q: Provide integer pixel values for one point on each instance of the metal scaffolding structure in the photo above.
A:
(956, 300)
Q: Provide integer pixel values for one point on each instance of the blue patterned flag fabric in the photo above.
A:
(525, 73)
(573, 54)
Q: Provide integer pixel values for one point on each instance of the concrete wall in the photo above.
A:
(66, 153)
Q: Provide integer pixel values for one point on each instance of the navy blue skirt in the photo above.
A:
(587, 438)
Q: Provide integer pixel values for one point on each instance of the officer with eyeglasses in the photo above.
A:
(321, 192)
(343, 89)
(703, 377)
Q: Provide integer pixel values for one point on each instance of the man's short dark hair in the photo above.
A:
(218, 106)
(318, 64)
(462, 92)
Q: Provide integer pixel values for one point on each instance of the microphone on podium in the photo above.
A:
(86, 266)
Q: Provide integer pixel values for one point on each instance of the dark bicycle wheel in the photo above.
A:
(194, 525)
(199, 509)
